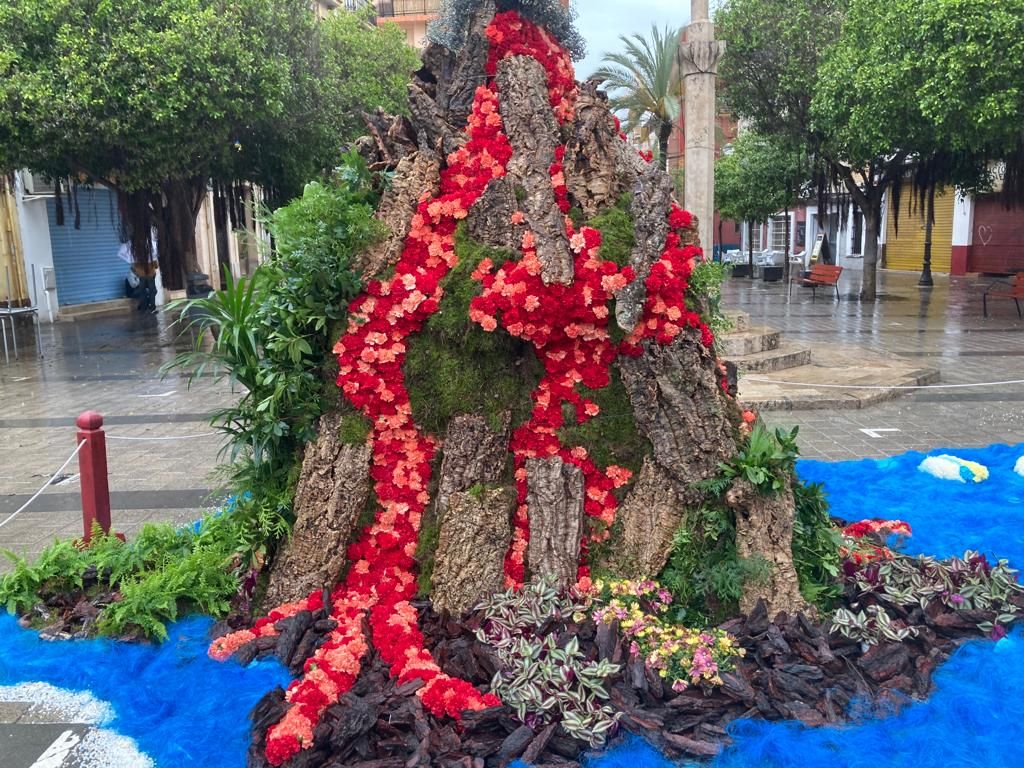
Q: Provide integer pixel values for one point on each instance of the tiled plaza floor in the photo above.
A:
(111, 365)
(943, 327)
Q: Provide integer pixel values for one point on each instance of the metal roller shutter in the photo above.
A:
(85, 260)
(906, 251)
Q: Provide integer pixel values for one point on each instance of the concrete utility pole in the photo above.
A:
(698, 60)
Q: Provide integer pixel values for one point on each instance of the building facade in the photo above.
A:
(412, 16)
(68, 263)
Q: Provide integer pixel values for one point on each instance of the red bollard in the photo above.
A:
(92, 466)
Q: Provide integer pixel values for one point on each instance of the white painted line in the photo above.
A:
(165, 394)
(22, 378)
(58, 752)
(875, 432)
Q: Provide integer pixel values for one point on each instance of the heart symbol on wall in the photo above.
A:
(985, 234)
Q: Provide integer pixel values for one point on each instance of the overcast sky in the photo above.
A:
(602, 21)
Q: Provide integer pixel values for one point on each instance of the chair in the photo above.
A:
(8, 315)
(1005, 290)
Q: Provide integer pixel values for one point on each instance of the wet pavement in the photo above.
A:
(941, 327)
(162, 451)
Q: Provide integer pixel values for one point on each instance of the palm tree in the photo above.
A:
(643, 81)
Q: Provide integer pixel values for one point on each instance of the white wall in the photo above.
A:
(35, 241)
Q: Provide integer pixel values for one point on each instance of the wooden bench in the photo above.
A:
(1005, 290)
(822, 274)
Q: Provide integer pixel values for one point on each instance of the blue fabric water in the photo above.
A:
(185, 710)
(181, 707)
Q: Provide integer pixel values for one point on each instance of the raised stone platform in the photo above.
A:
(836, 378)
(779, 375)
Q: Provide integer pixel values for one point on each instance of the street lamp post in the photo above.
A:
(698, 59)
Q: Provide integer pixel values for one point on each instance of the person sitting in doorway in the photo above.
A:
(140, 283)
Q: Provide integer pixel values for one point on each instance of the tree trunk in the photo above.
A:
(649, 516)
(179, 201)
(872, 217)
(750, 248)
(785, 251)
(534, 135)
(415, 174)
(331, 495)
(764, 530)
(678, 404)
(555, 500)
(664, 134)
(652, 195)
(476, 529)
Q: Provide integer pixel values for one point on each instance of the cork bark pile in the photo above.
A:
(674, 391)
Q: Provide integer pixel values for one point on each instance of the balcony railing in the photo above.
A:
(391, 8)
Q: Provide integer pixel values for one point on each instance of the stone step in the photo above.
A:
(754, 339)
(72, 312)
(786, 355)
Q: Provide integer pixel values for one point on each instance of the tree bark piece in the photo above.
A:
(433, 134)
(650, 515)
(764, 529)
(555, 499)
(458, 75)
(490, 218)
(416, 173)
(679, 407)
(652, 200)
(533, 132)
(595, 170)
(476, 529)
(331, 495)
(474, 454)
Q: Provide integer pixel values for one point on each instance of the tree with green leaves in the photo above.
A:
(757, 179)
(643, 81)
(779, 68)
(157, 98)
(874, 89)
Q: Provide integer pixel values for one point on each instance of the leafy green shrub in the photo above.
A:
(767, 460)
(816, 545)
(160, 573)
(542, 678)
(271, 331)
(704, 571)
(891, 586)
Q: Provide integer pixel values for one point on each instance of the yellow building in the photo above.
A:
(411, 15)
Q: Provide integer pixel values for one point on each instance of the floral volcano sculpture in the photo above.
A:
(503, 160)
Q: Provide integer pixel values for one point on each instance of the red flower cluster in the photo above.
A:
(568, 327)
(877, 526)
(665, 312)
(370, 357)
(511, 35)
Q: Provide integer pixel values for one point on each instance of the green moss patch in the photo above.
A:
(617, 233)
(453, 366)
(354, 429)
(611, 437)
